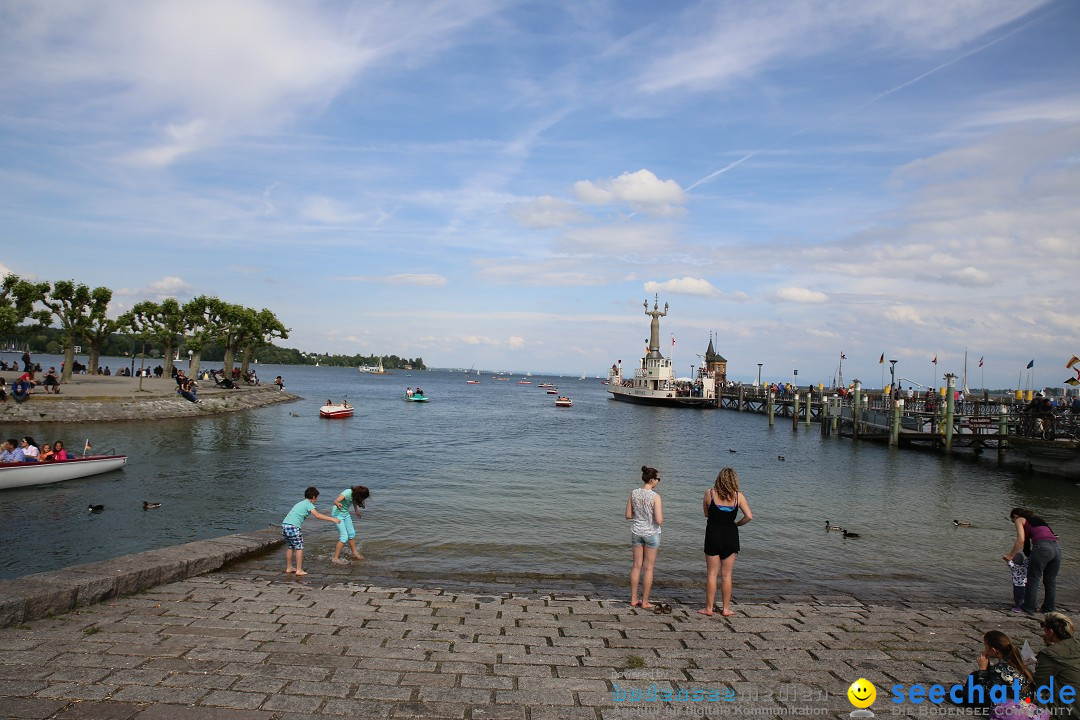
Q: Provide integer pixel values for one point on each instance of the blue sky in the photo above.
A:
(502, 184)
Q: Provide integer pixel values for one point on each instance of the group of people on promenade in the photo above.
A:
(23, 387)
(722, 504)
(354, 496)
(26, 450)
(1003, 686)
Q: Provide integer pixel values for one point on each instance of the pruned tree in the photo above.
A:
(70, 305)
(234, 318)
(202, 325)
(98, 325)
(161, 323)
(17, 300)
(262, 328)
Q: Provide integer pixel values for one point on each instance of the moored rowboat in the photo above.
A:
(13, 475)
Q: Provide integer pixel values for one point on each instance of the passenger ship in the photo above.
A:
(653, 381)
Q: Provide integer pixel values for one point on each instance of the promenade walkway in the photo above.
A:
(250, 643)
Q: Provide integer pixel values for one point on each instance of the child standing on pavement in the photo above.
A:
(290, 528)
(1018, 566)
(355, 496)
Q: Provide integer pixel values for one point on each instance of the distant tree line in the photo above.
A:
(56, 317)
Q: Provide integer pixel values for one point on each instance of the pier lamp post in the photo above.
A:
(892, 379)
(759, 374)
(189, 354)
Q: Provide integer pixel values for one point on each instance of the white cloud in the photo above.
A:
(170, 285)
(903, 314)
(971, 277)
(641, 190)
(515, 342)
(799, 295)
(682, 286)
(548, 212)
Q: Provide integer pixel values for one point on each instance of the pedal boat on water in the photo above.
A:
(22, 474)
(341, 410)
(564, 402)
(416, 398)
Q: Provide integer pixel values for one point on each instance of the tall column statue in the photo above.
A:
(654, 327)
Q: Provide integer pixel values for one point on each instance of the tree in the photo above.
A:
(70, 305)
(98, 326)
(234, 319)
(202, 323)
(261, 327)
(17, 300)
(159, 323)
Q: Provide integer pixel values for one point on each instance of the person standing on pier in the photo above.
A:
(722, 503)
(1040, 544)
(644, 508)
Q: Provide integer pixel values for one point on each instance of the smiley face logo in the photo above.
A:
(862, 693)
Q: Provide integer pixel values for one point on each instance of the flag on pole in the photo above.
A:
(672, 341)
(647, 348)
(842, 355)
(1072, 362)
(881, 360)
(1072, 381)
(1031, 364)
(980, 362)
(934, 360)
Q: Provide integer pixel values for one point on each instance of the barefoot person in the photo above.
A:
(1040, 544)
(644, 508)
(355, 496)
(290, 528)
(722, 503)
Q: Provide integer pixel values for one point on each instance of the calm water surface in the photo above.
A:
(492, 479)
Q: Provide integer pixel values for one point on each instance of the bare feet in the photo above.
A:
(728, 613)
(338, 561)
(647, 606)
(706, 611)
(300, 572)
(635, 603)
(357, 556)
(289, 570)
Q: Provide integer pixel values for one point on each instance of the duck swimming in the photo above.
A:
(850, 534)
(95, 508)
(150, 506)
(962, 523)
(829, 526)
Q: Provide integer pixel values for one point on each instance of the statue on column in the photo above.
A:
(654, 327)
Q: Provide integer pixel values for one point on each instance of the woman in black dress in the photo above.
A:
(722, 503)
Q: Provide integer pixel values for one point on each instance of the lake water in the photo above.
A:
(492, 480)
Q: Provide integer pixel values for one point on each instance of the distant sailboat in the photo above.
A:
(373, 369)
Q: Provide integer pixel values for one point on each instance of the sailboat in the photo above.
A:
(468, 377)
(373, 369)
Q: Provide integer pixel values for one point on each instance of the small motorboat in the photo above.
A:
(22, 474)
(563, 401)
(472, 382)
(416, 398)
(524, 382)
(552, 391)
(330, 410)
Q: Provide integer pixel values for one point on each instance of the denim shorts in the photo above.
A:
(649, 541)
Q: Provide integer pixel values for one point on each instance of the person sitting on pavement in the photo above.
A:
(279, 382)
(51, 382)
(187, 388)
(1059, 663)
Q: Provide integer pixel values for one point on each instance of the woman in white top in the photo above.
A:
(643, 507)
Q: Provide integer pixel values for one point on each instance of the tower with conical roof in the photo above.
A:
(715, 363)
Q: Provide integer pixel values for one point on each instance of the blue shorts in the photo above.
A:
(294, 539)
(649, 541)
(345, 529)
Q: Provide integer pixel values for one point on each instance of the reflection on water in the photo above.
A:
(493, 479)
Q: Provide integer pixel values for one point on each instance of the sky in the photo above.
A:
(501, 184)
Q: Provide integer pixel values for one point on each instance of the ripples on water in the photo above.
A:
(493, 479)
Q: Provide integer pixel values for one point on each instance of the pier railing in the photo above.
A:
(978, 422)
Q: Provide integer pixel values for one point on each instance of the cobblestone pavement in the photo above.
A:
(248, 644)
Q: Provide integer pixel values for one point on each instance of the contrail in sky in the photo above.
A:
(871, 101)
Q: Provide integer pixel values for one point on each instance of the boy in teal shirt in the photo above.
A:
(290, 528)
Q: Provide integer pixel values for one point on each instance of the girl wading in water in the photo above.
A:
(722, 502)
(644, 508)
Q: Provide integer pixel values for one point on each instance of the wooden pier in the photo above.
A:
(936, 421)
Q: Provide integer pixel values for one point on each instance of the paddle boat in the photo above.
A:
(552, 391)
(14, 475)
(341, 410)
(417, 398)
(563, 401)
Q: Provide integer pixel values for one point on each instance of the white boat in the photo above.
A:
(340, 410)
(373, 369)
(654, 381)
(564, 402)
(13, 475)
